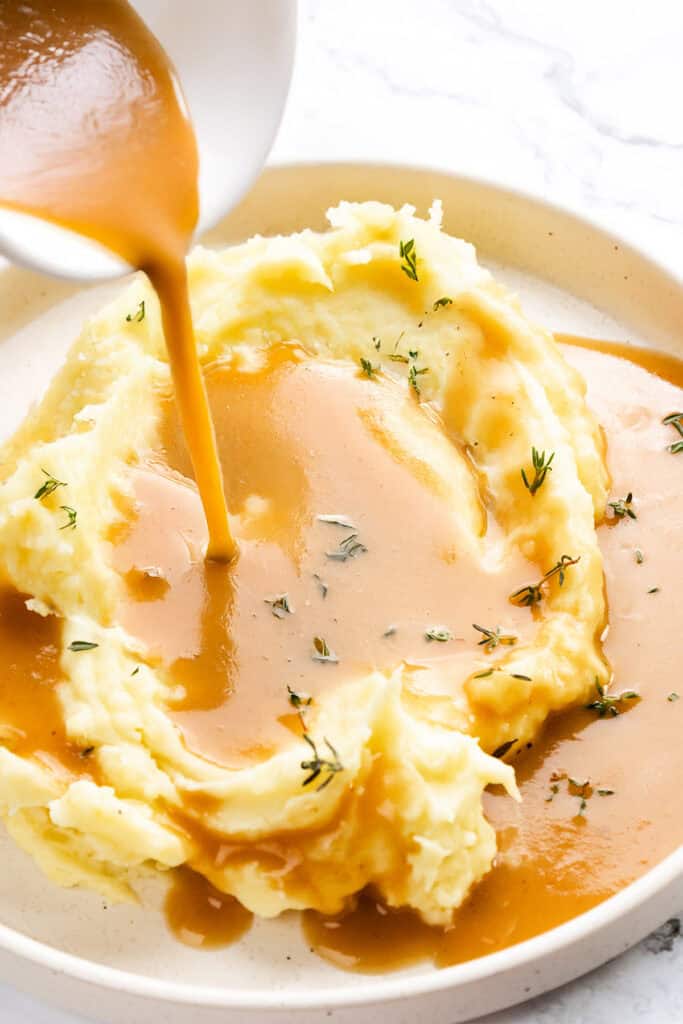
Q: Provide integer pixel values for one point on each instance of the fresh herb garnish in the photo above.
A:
(675, 420)
(49, 486)
(350, 547)
(673, 696)
(541, 467)
(530, 595)
(584, 792)
(396, 357)
(440, 303)
(653, 590)
(82, 645)
(317, 765)
(337, 520)
(322, 586)
(87, 751)
(377, 342)
(622, 507)
(639, 556)
(484, 674)
(389, 631)
(408, 254)
(605, 792)
(413, 374)
(138, 316)
(518, 675)
(279, 606)
(135, 670)
(610, 704)
(554, 790)
(366, 366)
(502, 750)
(300, 702)
(322, 652)
(493, 637)
(439, 633)
(71, 513)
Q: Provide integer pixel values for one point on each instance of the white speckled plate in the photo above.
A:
(120, 963)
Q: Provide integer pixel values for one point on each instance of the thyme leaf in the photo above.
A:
(138, 316)
(622, 507)
(72, 514)
(322, 586)
(408, 254)
(366, 366)
(279, 606)
(337, 520)
(322, 652)
(675, 420)
(49, 486)
(82, 645)
(440, 303)
(503, 749)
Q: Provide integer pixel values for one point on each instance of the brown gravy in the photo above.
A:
(212, 626)
(554, 862)
(95, 136)
(200, 916)
(31, 721)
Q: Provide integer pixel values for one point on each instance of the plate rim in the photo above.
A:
(378, 988)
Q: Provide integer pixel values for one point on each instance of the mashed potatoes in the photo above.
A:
(405, 814)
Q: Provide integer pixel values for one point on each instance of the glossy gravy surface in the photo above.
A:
(94, 136)
(313, 439)
(31, 719)
(556, 858)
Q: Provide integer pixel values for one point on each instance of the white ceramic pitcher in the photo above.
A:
(234, 59)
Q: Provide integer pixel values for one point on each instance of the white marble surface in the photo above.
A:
(580, 102)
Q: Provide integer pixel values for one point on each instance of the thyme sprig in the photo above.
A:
(300, 702)
(541, 466)
(315, 767)
(72, 515)
(492, 638)
(608, 703)
(408, 254)
(49, 486)
(350, 547)
(675, 420)
(622, 507)
(317, 764)
(414, 373)
(530, 595)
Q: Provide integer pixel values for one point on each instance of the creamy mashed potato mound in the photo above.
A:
(406, 812)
